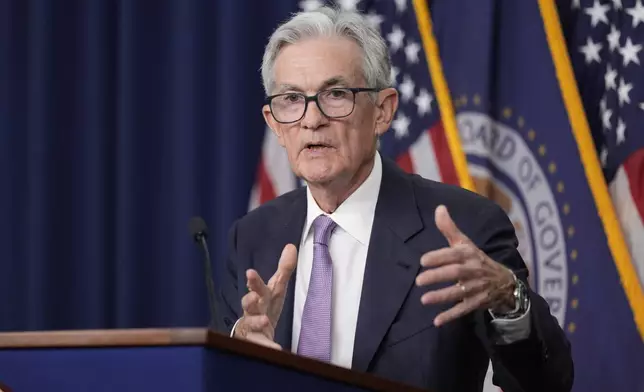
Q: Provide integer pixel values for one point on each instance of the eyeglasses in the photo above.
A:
(334, 103)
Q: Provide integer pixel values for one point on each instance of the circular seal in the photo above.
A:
(505, 169)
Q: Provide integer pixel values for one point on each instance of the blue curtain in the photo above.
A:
(120, 120)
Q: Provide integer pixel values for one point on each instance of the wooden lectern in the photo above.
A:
(164, 360)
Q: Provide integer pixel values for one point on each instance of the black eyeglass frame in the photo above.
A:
(314, 98)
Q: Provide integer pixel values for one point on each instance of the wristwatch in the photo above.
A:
(521, 301)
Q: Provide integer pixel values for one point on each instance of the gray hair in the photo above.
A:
(332, 22)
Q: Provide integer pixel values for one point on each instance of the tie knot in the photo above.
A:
(322, 228)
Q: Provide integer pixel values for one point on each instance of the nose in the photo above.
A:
(313, 118)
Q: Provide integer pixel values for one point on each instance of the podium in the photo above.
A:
(164, 360)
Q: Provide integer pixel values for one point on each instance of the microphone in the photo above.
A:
(199, 232)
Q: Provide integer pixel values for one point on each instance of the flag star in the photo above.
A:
(424, 102)
(396, 38)
(401, 126)
(613, 38)
(394, 75)
(603, 156)
(401, 5)
(642, 105)
(602, 104)
(621, 131)
(349, 5)
(375, 20)
(597, 13)
(629, 52)
(407, 88)
(623, 91)
(617, 4)
(637, 13)
(591, 51)
(610, 77)
(310, 5)
(606, 113)
(411, 52)
(576, 4)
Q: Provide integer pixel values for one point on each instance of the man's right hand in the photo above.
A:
(264, 302)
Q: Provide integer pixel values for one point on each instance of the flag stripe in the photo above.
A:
(592, 168)
(404, 161)
(630, 217)
(443, 155)
(274, 176)
(277, 166)
(423, 157)
(266, 190)
(634, 168)
(448, 118)
(253, 201)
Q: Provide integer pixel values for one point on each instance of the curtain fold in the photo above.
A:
(120, 120)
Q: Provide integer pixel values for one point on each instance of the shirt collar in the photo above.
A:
(355, 215)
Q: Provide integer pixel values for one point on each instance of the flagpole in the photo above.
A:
(443, 97)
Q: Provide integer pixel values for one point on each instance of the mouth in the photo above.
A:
(316, 146)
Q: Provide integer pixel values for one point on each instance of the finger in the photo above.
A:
(256, 283)
(251, 304)
(447, 273)
(457, 254)
(461, 309)
(257, 323)
(447, 226)
(453, 293)
(285, 268)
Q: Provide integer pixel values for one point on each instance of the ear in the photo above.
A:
(386, 109)
(272, 124)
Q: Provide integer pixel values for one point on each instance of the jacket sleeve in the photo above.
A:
(228, 303)
(543, 360)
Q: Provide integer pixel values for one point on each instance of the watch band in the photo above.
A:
(521, 301)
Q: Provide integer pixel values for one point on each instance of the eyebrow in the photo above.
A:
(333, 81)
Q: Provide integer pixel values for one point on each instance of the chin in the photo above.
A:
(317, 172)
(317, 177)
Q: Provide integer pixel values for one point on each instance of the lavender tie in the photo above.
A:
(315, 335)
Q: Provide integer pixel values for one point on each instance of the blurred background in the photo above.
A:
(120, 120)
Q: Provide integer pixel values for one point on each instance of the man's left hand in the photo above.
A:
(481, 283)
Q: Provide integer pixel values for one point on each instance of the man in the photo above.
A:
(407, 278)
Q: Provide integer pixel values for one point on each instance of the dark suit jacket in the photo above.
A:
(395, 336)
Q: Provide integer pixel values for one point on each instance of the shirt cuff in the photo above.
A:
(232, 331)
(510, 331)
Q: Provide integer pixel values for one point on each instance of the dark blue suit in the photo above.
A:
(395, 335)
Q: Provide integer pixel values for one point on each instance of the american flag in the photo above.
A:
(416, 139)
(605, 41)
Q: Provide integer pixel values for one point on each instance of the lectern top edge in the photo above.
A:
(104, 338)
(192, 337)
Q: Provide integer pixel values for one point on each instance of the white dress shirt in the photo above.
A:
(348, 247)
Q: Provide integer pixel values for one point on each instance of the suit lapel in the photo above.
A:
(392, 265)
(287, 231)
